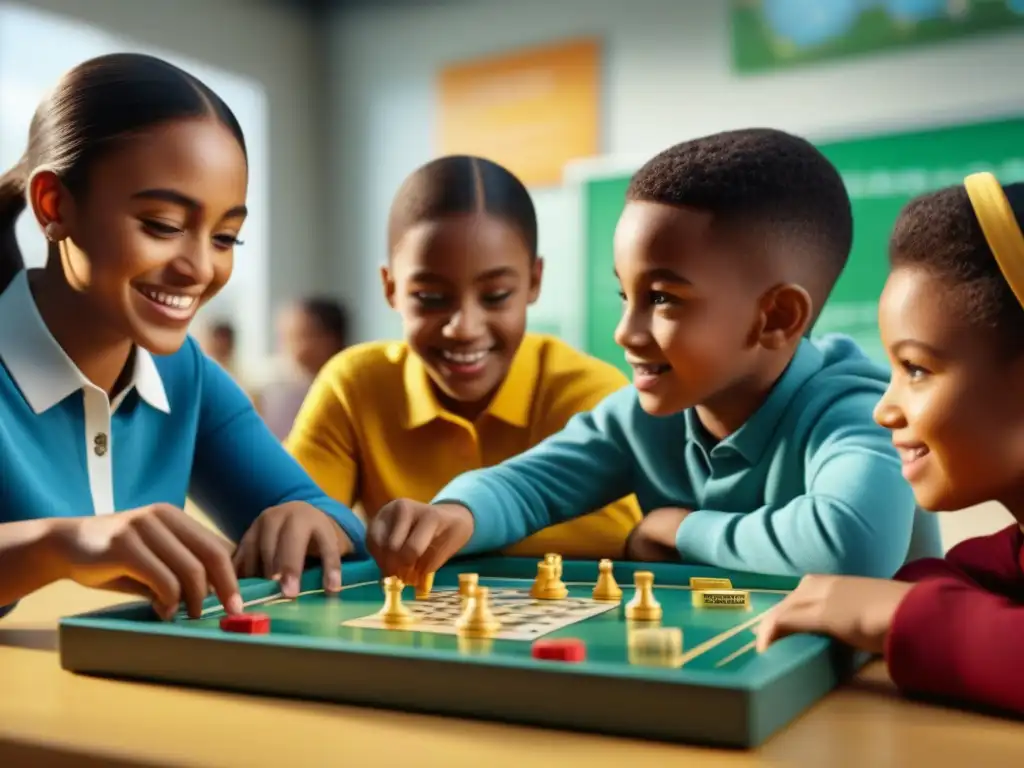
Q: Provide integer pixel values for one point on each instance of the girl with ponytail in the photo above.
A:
(136, 174)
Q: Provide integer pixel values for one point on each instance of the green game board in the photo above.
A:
(325, 647)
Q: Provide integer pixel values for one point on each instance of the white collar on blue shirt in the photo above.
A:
(42, 370)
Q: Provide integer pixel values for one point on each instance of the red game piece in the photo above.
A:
(247, 624)
(568, 649)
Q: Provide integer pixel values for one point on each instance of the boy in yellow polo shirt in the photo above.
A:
(468, 388)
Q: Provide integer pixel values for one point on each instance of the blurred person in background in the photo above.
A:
(310, 332)
(218, 342)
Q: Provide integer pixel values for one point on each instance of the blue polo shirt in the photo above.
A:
(810, 484)
(181, 427)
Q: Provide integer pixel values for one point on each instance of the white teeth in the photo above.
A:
(910, 454)
(650, 369)
(464, 358)
(173, 300)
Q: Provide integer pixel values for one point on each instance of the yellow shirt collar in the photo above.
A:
(512, 403)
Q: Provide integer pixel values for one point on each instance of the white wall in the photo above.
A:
(667, 78)
(278, 48)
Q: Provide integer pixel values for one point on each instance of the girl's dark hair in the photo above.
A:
(93, 108)
(458, 184)
(329, 315)
(939, 232)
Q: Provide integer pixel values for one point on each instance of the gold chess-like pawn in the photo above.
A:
(547, 585)
(607, 589)
(468, 582)
(425, 586)
(394, 613)
(555, 560)
(477, 620)
(643, 606)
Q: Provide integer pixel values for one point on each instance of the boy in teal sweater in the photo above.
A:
(748, 446)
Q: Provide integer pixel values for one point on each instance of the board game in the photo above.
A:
(522, 617)
(658, 658)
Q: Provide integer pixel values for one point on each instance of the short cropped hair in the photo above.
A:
(939, 232)
(760, 178)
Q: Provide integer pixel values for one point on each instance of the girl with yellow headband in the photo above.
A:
(952, 320)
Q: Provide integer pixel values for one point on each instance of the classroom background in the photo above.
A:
(341, 100)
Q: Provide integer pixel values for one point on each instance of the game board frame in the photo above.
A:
(692, 706)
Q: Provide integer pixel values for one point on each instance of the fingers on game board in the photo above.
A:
(246, 623)
(196, 557)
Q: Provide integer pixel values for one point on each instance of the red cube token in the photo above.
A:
(567, 649)
(247, 623)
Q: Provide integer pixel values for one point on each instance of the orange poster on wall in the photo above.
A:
(532, 111)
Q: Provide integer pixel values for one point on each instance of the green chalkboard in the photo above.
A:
(881, 173)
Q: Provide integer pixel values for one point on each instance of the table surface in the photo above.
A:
(70, 720)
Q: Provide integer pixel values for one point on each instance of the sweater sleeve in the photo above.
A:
(581, 388)
(854, 518)
(582, 468)
(953, 640)
(240, 469)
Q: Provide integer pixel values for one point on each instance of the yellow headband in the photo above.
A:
(1003, 233)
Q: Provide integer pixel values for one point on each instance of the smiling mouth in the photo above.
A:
(177, 306)
(911, 453)
(464, 358)
(650, 369)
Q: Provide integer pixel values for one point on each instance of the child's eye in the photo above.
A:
(159, 228)
(657, 297)
(914, 372)
(227, 241)
(622, 296)
(497, 298)
(428, 299)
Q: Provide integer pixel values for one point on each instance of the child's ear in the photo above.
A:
(49, 201)
(785, 315)
(536, 274)
(388, 283)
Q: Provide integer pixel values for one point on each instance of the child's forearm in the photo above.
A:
(28, 560)
(954, 640)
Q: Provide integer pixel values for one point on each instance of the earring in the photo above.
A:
(51, 232)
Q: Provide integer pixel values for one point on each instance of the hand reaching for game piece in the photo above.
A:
(157, 552)
(855, 610)
(409, 539)
(654, 538)
(277, 544)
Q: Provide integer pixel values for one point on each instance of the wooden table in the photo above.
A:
(54, 718)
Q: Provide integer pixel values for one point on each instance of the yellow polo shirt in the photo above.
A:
(371, 430)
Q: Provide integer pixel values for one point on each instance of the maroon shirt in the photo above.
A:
(959, 634)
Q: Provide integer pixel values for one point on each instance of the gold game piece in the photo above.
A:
(425, 586)
(468, 583)
(643, 606)
(606, 589)
(555, 560)
(722, 598)
(394, 613)
(656, 647)
(477, 620)
(547, 585)
(709, 582)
